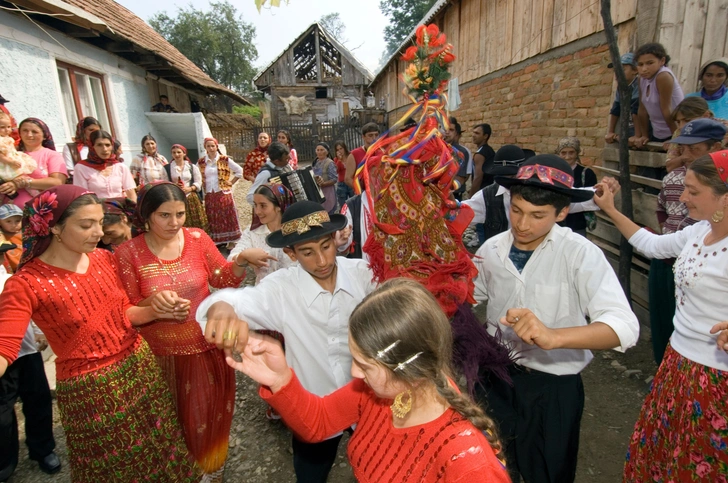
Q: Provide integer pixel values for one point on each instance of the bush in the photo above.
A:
(249, 110)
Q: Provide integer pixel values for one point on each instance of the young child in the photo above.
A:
(309, 304)
(10, 226)
(535, 285)
(12, 162)
(660, 93)
(629, 67)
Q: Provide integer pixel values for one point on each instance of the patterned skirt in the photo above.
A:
(222, 216)
(682, 432)
(121, 425)
(196, 216)
(203, 387)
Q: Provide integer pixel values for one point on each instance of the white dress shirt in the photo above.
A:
(701, 288)
(68, 157)
(211, 180)
(313, 321)
(566, 278)
(477, 203)
(256, 239)
(189, 173)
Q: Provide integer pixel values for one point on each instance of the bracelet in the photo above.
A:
(243, 265)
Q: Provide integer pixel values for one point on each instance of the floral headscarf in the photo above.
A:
(138, 220)
(47, 137)
(284, 199)
(41, 214)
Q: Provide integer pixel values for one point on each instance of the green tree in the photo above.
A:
(403, 15)
(218, 41)
(334, 25)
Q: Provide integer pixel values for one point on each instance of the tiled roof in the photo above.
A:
(125, 25)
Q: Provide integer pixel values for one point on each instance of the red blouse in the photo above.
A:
(448, 449)
(83, 315)
(143, 275)
(253, 162)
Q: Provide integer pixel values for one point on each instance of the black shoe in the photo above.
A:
(6, 473)
(49, 464)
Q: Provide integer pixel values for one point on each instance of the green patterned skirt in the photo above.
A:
(121, 425)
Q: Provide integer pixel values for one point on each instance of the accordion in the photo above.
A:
(302, 184)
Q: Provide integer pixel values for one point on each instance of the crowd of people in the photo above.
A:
(134, 275)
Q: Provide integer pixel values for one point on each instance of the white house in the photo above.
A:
(63, 60)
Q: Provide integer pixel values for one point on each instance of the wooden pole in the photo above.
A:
(625, 99)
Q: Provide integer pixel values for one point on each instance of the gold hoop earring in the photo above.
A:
(717, 216)
(401, 407)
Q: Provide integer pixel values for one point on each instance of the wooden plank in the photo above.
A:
(691, 44)
(671, 26)
(589, 17)
(490, 45)
(654, 183)
(638, 282)
(547, 21)
(534, 38)
(452, 30)
(714, 42)
(558, 27)
(521, 30)
(636, 158)
(648, 19)
(608, 236)
(573, 14)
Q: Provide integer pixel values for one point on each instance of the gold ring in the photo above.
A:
(229, 335)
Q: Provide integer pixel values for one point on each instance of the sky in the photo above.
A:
(277, 27)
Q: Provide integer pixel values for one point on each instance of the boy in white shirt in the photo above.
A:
(310, 305)
(541, 281)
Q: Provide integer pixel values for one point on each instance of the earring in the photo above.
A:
(400, 408)
(146, 226)
(57, 237)
(717, 216)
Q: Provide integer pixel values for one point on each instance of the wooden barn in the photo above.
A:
(315, 79)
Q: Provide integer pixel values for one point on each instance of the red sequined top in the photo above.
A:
(83, 315)
(448, 449)
(143, 275)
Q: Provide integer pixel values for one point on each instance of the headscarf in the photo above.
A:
(94, 161)
(80, 137)
(284, 199)
(204, 143)
(47, 136)
(720, 62)
(569, 142)
(138, 220)
(720, 159)
(120, 206)
(184, 149)
(41, 213)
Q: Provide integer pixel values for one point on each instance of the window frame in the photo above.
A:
(72, 71)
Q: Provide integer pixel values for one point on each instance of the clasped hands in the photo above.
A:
(168, 305)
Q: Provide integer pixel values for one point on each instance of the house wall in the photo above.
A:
(28, 78)
(322, 109)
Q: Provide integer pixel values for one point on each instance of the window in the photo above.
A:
(322, 93)
(83, 94)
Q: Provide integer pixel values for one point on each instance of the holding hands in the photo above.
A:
(168, 305)
(530, 329)
(225, 329)
(604, 197)
(256, 257)
(263, 361)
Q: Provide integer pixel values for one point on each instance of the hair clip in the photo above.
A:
(402, 365)
(384, 351)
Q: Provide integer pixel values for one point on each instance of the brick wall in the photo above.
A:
(540, 103)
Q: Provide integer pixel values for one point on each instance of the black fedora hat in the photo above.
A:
(549, 172)
(3, 100)
(507, 161)
(304, 221)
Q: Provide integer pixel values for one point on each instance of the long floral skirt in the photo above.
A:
(196, 216)
(682, 433)
(222, 216)
(203, 386)
(121, 425)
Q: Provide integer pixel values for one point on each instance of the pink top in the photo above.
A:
(112, 182)
(49, 162)
(651, 100)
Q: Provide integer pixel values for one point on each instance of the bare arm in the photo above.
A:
(131, 194)
(478, 161)
(350, 165)
(3, 365)
(665, 85)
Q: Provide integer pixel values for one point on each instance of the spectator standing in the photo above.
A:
(629, 67)
(102, 172)
(148, 166)
(343, 190)
(482, 159)
(187, 176)
(77, 151)
(256, 158)
(660, 93)
(219, 174)
(36, 140)
(324, 170)
(452, 136)
(714, 82)
(569, 149)
(369, 134)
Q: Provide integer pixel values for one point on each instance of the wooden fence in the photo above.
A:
(644, 201)
(239, 142)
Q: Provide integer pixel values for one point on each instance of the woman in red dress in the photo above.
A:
(117, 412)
(171, 267)
(219, 174)
(256, 158)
